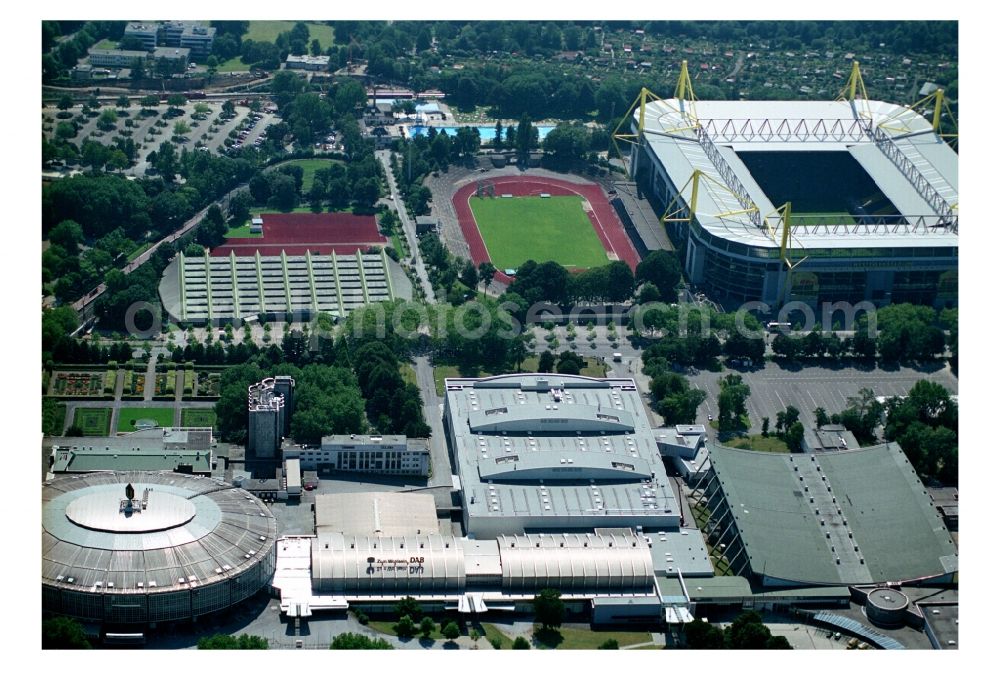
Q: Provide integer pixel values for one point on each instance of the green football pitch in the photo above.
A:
(516, 229)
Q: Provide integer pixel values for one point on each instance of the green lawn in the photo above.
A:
(492, 632)
(397, 244)
(233, 65)
(242, 231)
(586, 639)
(53, 417)
(757, 442)
(127, 417)
(138, 250)
(94, 422)
(553, 228)
(309, 168)
(385, 627)
(106, 43)
(197, 417)
(267, 31)
(257, 211)
(409, 375)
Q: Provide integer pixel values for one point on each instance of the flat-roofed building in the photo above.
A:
(266, 421)
(178, 55)
(198, 39)
(307, 62)
(144, 32)
(186, 450)
(376, 514)
(547, 452)
(379, 454)
(845, 518)
(115, 58)
(293, 478)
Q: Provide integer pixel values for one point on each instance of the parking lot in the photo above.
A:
(207, 129)
(773, 388)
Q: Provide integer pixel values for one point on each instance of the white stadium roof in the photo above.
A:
(924, 165)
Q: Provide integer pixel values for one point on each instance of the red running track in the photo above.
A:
(296, 233)
(609, 229)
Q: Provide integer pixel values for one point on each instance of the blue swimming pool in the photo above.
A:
(486, 134)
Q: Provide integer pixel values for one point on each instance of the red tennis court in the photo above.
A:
(297, 233)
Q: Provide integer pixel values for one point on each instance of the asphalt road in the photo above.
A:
(409, 229)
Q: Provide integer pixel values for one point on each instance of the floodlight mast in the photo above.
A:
(683, 92)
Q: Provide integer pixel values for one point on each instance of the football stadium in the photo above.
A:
(814, 201)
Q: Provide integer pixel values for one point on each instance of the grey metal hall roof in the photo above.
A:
(545, 448)
(848, 517)
(177, 532)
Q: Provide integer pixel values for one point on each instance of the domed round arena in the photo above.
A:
(140, 548)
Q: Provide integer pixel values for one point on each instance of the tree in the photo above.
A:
(675, 399)
(166, 163)
(181, 128)
(469, 275)
(351, 641)
(67, 234)
(546, 361)
(732, 402)
(405, 628)
(122, 102)
(648, 293)
(407, 606)
(239, 207)
(212, 229)
(63, 633)
(227, 642)
(107, 120)
(549, 608)
(527, 136)
(620, 282)
(521, 643)
(748, 632)
(451, 631)
(821, 417)
(610, 644)
(486, 272)
(662, 269)
(475, 636)
(427, 626)
(66, 102)
(765, 426)
(794, 436)
(700, 635)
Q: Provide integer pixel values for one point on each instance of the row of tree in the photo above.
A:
(746, 632)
